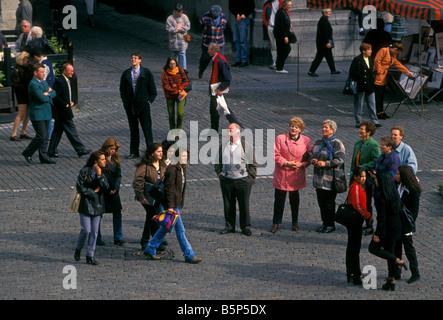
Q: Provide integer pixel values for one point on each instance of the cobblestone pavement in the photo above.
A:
(38, 233)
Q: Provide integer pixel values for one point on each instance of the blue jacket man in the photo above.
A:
(40, 113)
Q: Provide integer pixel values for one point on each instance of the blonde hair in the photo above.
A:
(298, 122)
(111, 142)
(21, 58)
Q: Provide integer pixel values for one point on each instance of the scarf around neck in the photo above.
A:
(173, 71)
(327, 143)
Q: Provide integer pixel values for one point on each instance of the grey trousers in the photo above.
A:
(89, 232)
(359, 100)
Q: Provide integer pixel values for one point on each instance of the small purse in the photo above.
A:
(351, 87)
(74, 200)
(292, 37)
(166, 219)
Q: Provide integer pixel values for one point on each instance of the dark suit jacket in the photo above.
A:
(174, 187)
(144, 94)
(362, 74)
(62, 101)
(282, 24)
(324, 32)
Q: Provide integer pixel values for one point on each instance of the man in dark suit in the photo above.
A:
(40, 102)
(324, 43)
(63, 102)
(138, 92)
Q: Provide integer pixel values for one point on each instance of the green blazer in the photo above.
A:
(370, 151)
(39, 103)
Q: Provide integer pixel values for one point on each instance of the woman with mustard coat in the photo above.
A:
(385, 58)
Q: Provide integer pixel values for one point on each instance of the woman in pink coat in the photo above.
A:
(291, 154)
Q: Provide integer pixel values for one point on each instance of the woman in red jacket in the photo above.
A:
(174, 83)
(356, 197)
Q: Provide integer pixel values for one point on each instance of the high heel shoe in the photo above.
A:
(349, 278)
(389, 285)
(401, 264)
(357, 281)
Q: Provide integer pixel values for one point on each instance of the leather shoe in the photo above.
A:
(77, 255)
(25, 136)
(246, 232)
(243, 64)
(47, 161)
(335, 72)
(14, 138)
(194, 260)
(53, 155)
(119, 242)
(225, 231)
(29, 160)
(132, 156)
(91, 260)
(83, 152)
(151, 256)
(237, 64)
(274, 228)
(328, 229)
(312, 74)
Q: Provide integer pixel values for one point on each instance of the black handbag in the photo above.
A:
(345, 213)
(154, 192)
(292, 37)
(351, 87)
(407, 219)
(338, 185)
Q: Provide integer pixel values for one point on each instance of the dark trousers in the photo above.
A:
(379, 98)
(406, 242)
(283, 50)
(279, 205)
(236, 190)
(40, 141)
(67, 126)
(150, 227)
(385, 249)
(323, 53)
(215, 116)
(353, 247)
(144, 118)
(326, 202)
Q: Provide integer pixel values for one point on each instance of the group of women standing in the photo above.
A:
(375, 170)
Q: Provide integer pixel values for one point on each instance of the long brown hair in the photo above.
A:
(111, 142)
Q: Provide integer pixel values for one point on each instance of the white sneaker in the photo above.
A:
(281, 71)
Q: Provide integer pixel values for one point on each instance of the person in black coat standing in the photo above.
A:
(282, 28)
(138, 92)
(63, 103)
(362, 72)
(325, 43)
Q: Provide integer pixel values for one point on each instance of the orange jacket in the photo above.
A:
(382, 62)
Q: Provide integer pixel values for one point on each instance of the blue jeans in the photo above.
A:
(359, 100)
(160, 235)
(241, 39)
(181, 58)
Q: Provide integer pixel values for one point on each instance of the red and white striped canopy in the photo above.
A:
(417, 9)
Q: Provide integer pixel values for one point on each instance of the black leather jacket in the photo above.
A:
(91, 203)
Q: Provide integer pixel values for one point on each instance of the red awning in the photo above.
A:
(417, 9)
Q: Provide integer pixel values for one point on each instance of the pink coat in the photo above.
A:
(285, 149)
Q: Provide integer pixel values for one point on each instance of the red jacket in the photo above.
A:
(357, 197)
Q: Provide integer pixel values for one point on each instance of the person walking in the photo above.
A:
(270, 8)
(409, 190)
(175, 186)
(282, 29)
(92, 186)
(389, 226)
(291, 154)
(324, 43)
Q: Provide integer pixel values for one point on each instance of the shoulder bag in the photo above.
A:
(292, 37)
(338, 185)
(74, 200)
(154, 192)
(345, 213)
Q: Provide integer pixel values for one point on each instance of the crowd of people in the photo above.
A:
(384, 172)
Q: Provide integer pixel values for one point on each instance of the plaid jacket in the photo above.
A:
(211, 32)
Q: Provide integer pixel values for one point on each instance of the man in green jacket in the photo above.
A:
(40, 113)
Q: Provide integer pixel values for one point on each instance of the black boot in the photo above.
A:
(77, 255)
(389, 285)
